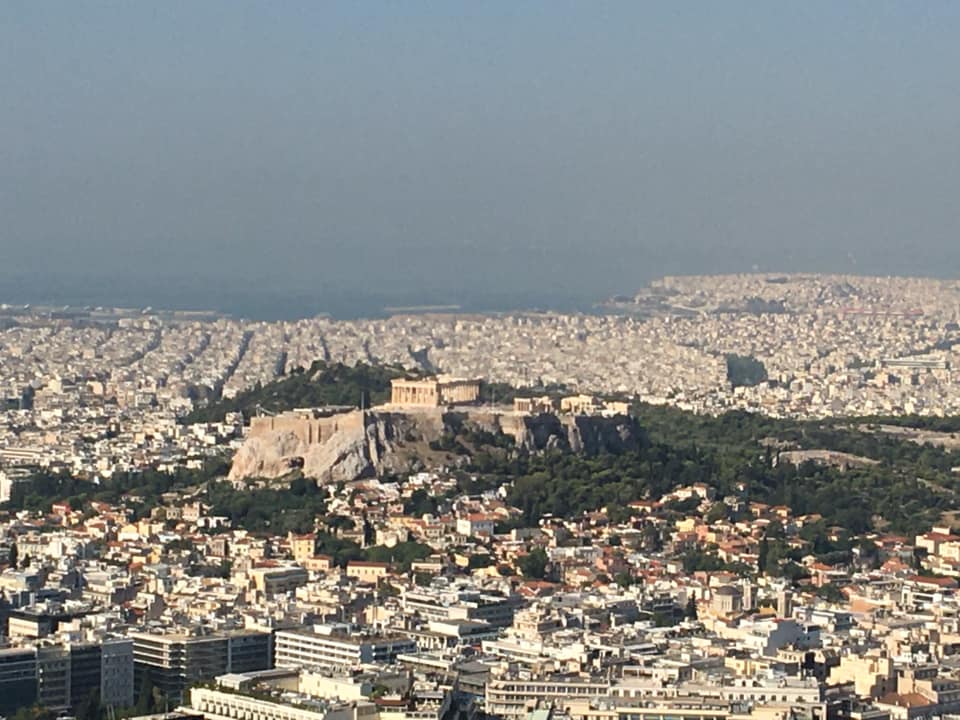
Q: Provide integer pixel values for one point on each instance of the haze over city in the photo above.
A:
(283, 159)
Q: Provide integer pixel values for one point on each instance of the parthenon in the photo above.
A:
(435, 392)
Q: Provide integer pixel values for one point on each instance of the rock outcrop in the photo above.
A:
(357, 450)
(383, 440)
(588, 434)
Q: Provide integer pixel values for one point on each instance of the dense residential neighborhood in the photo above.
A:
(580, 616)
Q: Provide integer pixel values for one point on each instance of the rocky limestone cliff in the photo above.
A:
(590, 435)
(385, 439)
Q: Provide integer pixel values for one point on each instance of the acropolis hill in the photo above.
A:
(97, 391)
(333, 444)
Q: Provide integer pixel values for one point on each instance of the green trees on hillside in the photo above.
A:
(728, 454)
(736, 454)
(147, 486)
(534, 564)
(401, 555)
(278, 510)
(321, 384)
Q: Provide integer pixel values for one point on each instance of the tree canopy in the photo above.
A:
(320, 385)
(743, 370)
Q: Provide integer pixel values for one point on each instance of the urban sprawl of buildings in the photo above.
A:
(100, 391)
(167, 608)
(591, 616)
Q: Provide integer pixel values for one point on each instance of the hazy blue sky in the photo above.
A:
(469, 151)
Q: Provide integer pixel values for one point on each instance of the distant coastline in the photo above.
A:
(189, 296)
(268, 304)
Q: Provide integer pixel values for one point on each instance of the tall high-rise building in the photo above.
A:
(62, 676)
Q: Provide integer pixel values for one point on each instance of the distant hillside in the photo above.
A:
(323, 384)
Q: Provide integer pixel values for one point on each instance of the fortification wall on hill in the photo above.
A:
(309, 429)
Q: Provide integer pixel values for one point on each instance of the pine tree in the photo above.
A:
(762, 555)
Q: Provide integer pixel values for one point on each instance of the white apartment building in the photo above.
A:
(219, 705)
(303, 648)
